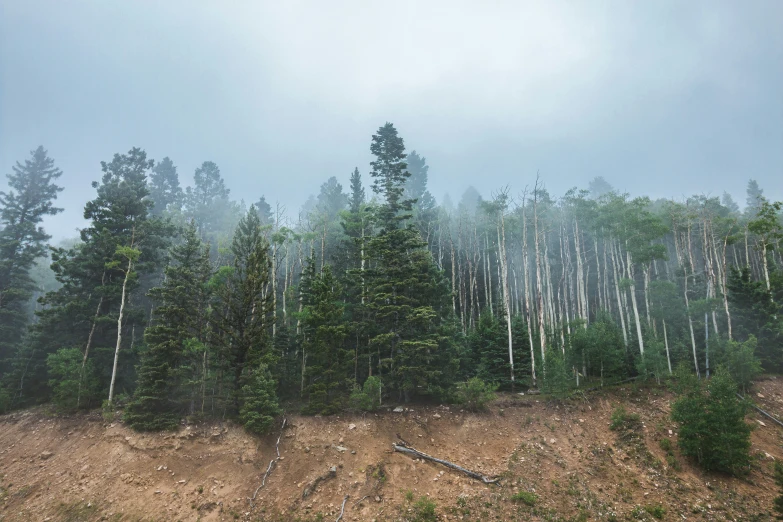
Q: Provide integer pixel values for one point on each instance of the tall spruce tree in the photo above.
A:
(244, 319)
(324, 333)
(406, 293)
(164, 187)
(170, 373)
(22, 241)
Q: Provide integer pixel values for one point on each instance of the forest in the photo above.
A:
(182, 302)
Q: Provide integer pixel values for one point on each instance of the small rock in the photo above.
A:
(352, 426)
(377, 498)
(307, 449)
(157, 492)
(398, 409)
(760, 396)
(436, 416)
(341, 449)
(760, 422)
(552, 441)
(45, 455)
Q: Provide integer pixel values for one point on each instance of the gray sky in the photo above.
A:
(663, 98)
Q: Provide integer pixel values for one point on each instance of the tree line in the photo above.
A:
(184, 302)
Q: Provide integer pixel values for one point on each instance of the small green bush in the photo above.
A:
(367, 398)
(712, 423)
(666, 445)
(424, 510)
(656, 511)
(526, 497)
(622, 419)
(475, 394)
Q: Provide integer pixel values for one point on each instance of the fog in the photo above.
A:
(664, 99)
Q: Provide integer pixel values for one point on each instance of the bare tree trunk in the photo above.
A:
(539, 294)
(506, 299)
(119, 331)
(666, 344)
(633, 302)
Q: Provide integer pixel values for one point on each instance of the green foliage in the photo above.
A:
(5, 399)
(324, 332)
(367, 398)
(424, 510)
(741, 361)
(65, 370)
(22, 241)
(526, 497)
(172, 370)
(621, 419)
(778, 501)
(555, 378)
(258, 402)
(712, 423)
(657, 511)
(475, 394)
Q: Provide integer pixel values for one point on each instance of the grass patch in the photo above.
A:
(526, 497)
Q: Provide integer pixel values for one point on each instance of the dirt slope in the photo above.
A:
(82, 468)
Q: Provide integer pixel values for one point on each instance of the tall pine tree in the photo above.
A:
(172, 377)
(22, 240)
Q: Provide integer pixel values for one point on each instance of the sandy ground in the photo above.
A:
(81, 468)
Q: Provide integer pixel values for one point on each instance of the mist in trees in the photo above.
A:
(183, 302)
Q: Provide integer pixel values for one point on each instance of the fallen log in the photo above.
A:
(404, 448)
(342, 509)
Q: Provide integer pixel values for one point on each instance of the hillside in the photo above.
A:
(81, 468)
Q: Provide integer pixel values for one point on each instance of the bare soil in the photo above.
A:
(560, 459)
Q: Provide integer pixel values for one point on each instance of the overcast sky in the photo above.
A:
(663, 98)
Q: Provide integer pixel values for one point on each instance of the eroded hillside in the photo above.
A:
(556, 461)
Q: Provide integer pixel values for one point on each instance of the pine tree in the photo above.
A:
(244, 309)
(163, 392)
(264, 212)
(208, 203)
(325, 331)
(164, 187)
(22, 241)
(405, 290)
(712, 423)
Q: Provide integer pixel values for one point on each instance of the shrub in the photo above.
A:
(666, 445)
(742, 363)
(778, 502)
(555, 378)
(424, 510)
(5, 400)
(259, 406)
(656, 511)
(475, 394)
(622, 419)
(367, 398)
(712, 423)
(72, 387)
(526, 497)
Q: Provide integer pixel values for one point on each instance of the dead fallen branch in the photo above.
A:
(342, 509)
(271, 462)
(310, 488)
(404, 448)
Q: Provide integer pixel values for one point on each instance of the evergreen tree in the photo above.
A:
(599, 187)
(712, 423)
(164, 187)
(324, 333)
(754, 198)
(167, 374)
(244, 309)
(424, 206)
(265, 212)
(208, 204)
(22, 241)
(405, 290)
